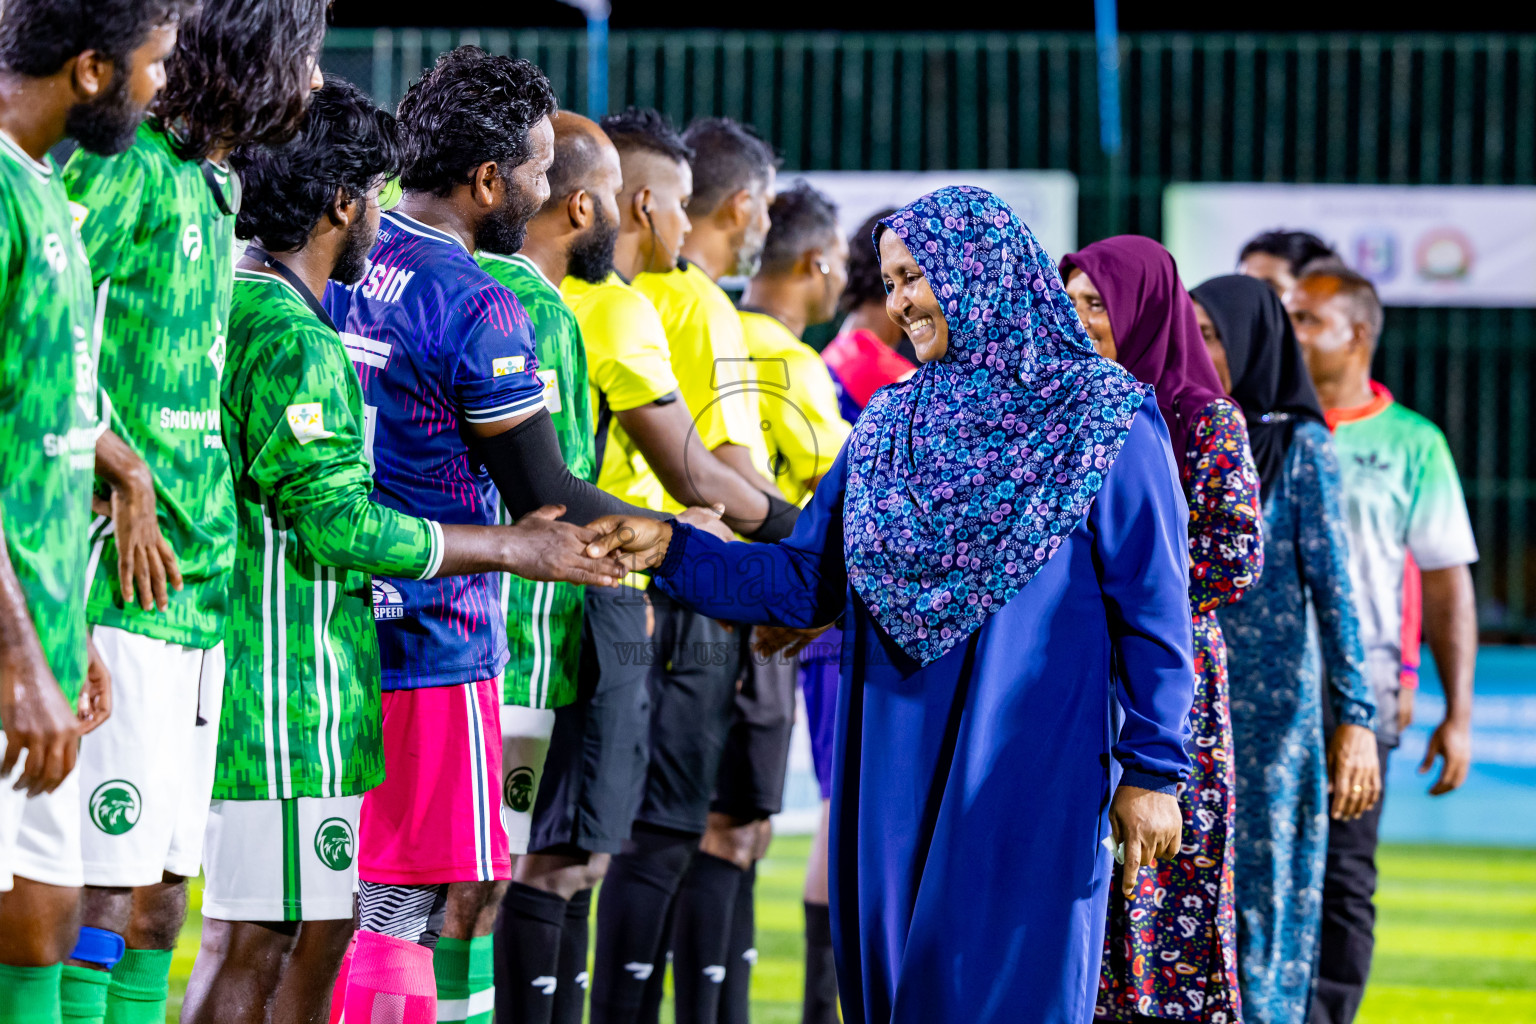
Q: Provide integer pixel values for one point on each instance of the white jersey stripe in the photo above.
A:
(280, 600)
(332, 597)
(269, 737)
(322, 689)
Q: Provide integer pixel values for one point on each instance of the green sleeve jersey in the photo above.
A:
(48, 405)
(544, 620)
(301, 698)
(161, 247)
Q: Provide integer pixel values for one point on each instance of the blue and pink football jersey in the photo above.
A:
(439, 344)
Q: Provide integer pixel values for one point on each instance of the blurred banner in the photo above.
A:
(1045, 200)
(1497, 806)
(1422, 245)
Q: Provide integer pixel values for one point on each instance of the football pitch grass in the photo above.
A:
(1456, 937)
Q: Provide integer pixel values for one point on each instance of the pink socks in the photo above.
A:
(387, 981)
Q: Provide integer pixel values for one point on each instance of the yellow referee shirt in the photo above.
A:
(710, 359)
(628, 365)
(798, 402)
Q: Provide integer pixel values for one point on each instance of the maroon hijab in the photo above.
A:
(1156, 332)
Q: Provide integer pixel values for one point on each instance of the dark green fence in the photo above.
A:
(1391, 109)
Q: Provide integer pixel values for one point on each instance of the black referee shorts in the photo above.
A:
(751, 781)
(693, 693)
(595, 770)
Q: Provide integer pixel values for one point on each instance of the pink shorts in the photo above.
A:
(436, 817)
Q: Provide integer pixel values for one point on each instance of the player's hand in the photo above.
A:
(1452, 741)
(145, 562)
(1150, 826)
(640, 543)
(770, 640)
(538, 547)
(37, 720)
(1405, 708)
(95, 703)
(1354, 772)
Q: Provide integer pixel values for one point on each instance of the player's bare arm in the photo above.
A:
(536, 547)
(37, 717)
(1450, 625)
(146, 565)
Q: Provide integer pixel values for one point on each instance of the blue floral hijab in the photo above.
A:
(964, 480)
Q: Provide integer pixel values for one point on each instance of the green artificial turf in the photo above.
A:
(1456, 937)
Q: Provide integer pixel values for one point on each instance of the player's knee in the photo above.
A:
(595, 870)
(158, 914)
(737, 844)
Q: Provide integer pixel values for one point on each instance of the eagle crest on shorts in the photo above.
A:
(115, 806)
(334, 843)
(518, 791)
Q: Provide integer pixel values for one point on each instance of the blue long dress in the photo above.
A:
(1301, 608)
(969, 883)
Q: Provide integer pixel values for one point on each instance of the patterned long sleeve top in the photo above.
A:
(1226, 542)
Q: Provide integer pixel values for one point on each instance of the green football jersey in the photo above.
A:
(48, 405)
(301, 699)
(161, 248)
(544, 619)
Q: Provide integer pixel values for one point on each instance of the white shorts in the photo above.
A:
(281, 860)
(40, 835)
(146, 774)
(525, 736)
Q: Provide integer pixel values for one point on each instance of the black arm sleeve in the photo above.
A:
(526, 465)
(780, 522)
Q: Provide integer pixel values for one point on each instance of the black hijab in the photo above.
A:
(1269, 375)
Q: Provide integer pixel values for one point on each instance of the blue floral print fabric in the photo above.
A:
(966, 479)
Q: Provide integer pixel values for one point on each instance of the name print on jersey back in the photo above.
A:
(438, 345)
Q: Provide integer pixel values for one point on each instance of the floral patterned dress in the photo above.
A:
(1172, 952)
(1299, 617)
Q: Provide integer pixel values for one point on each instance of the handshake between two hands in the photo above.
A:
(603, 551)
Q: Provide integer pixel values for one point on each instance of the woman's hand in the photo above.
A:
(1354, 772)
(1150, 826)
(639, 543)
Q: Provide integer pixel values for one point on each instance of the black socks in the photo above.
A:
(571, 994)
(529, 929)
(741, 954)
(820, 971)
(702, 936)
(632, 915)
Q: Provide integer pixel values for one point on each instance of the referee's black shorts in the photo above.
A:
(595, 770)
(693, 694)
(751, 781)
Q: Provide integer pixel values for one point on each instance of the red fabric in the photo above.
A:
(1380, 399)
(864, 364)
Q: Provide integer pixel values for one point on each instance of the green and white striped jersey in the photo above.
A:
(159, 232)
(544, 620)
(48, 404)
(301, 700)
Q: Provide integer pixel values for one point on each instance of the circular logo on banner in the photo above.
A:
(518, 790)
(1444, 254)
(115, 806)
(334, 843)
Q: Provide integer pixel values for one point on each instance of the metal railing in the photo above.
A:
(1395, 109)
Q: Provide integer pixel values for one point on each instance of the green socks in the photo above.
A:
(140, 986)
(83, 995)
(30, 995)
(466, 980)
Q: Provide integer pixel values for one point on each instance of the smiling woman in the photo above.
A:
(1002, 528)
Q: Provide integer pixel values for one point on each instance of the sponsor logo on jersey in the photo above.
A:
(507, 365)
(334, 843)
(551, 381)
(387, 602)
(216, 353)
(307, 422)
(517, 791)
(191, 241)
(85, 373)
(54, 252)
(78, 212)
(385, 283)
(115, 806)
